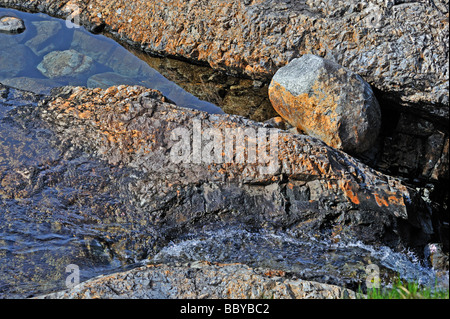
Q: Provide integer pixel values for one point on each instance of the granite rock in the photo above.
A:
(200, 280)
(142, 131)
(65, 64)
(398, 47)
(327, 101)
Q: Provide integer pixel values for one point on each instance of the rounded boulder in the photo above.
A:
(327, 101)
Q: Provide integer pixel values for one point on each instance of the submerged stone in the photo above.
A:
(35, 85)
(201, 280)
(65, 63)
(107, 79)
(327, 101)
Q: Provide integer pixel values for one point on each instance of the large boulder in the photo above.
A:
(108, 163)
(327, 101)
(302, 184)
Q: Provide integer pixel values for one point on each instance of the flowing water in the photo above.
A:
(318, 260)
(59, 209)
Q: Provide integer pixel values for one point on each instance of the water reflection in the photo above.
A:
(48, 54)
(343, 264)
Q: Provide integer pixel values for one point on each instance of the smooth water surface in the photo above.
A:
(109, 63)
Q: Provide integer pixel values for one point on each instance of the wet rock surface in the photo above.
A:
(411, 151)
(327, 101)
(93, 167)
(137, 129)
(199, 281)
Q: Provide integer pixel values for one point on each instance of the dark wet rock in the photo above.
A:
(56, 204)
(92, 174)
(68, 63)
(327, 101)
(437, 258)
(11, 25)
(416, 148)
(201, 280)
(46, 39)
(35, 85)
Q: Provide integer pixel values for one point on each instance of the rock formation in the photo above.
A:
(201, 280)
(303, 184)
(327, 101)
(162, 171)
(143, 175)
(399, 47)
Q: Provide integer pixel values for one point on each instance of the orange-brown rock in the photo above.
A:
(327, 101)
(11, 25)
(98, 164)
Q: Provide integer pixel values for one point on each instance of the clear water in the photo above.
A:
(113, 64)
(45, 220)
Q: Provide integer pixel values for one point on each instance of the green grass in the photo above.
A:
(406, 290)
